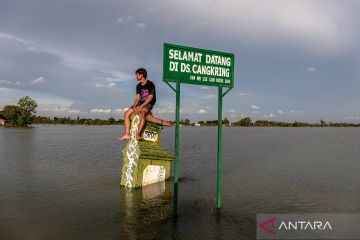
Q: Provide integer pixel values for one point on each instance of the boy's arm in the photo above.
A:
(148, 100)
(136, 101)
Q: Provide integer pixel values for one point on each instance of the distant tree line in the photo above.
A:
(77, 121)
(23, 114)
(225, 122)
(247, 122)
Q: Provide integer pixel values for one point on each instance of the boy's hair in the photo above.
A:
(142, 71)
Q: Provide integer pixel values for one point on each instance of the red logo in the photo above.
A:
(269, 230)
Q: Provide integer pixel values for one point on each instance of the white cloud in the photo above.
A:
(202, 111)
(271, 115)
(11, 83)
(28, 44)
(244, 94)
(58, 110)
(73, 111)
(100, 110)
(140, 26)
(38, 80)
(295, 111)
(120, 110)
(105, 85)
(280, 111)
(163, 111)
(120, 20)
(70, 60)
(5, 82)
(149, 9)
(232, 110)
(254, 107)
(310, 69)
(125, 20)
(117, 76)
(352, 118)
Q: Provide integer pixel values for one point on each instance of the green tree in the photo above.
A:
(245, 122)
(187, 122)
(111, 120)
(28, 109)
(226, 122)
(13, 114)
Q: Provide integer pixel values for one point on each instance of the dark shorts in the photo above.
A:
(148, 107)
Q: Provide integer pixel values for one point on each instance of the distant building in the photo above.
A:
(197, 124)
(2, 122)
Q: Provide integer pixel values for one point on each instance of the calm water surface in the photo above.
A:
(62, 182)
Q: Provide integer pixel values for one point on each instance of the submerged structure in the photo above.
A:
(145, 161)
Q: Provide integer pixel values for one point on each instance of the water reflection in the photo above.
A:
(15, 143)
(145, 209)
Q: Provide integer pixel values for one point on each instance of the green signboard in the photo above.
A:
(202, 67)
(198, 66)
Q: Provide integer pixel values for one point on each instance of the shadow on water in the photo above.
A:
(146, 213)
(144, 210)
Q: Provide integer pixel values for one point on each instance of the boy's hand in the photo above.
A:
(139, 109)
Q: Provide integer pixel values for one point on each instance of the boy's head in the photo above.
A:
(141, 73)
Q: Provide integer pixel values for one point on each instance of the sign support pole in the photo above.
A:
(177, 141)
(219, 149)
(190, 65)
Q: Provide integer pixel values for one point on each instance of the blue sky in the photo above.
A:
(295, 60)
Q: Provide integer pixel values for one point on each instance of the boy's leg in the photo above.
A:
(143, 113)
(127, 124)
(151, 118)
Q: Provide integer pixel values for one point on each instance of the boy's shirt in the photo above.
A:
(145, 90)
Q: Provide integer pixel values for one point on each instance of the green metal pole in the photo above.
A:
(176, 162)
(219, 149)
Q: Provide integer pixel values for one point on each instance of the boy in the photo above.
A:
(144, 101)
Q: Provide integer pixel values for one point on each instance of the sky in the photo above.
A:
(294, 60)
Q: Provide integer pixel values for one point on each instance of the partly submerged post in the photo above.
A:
(202, 67)
(146, 161)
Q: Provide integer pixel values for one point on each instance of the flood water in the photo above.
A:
(62, 182)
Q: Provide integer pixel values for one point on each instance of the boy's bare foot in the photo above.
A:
(138, 138)
(125, 137)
